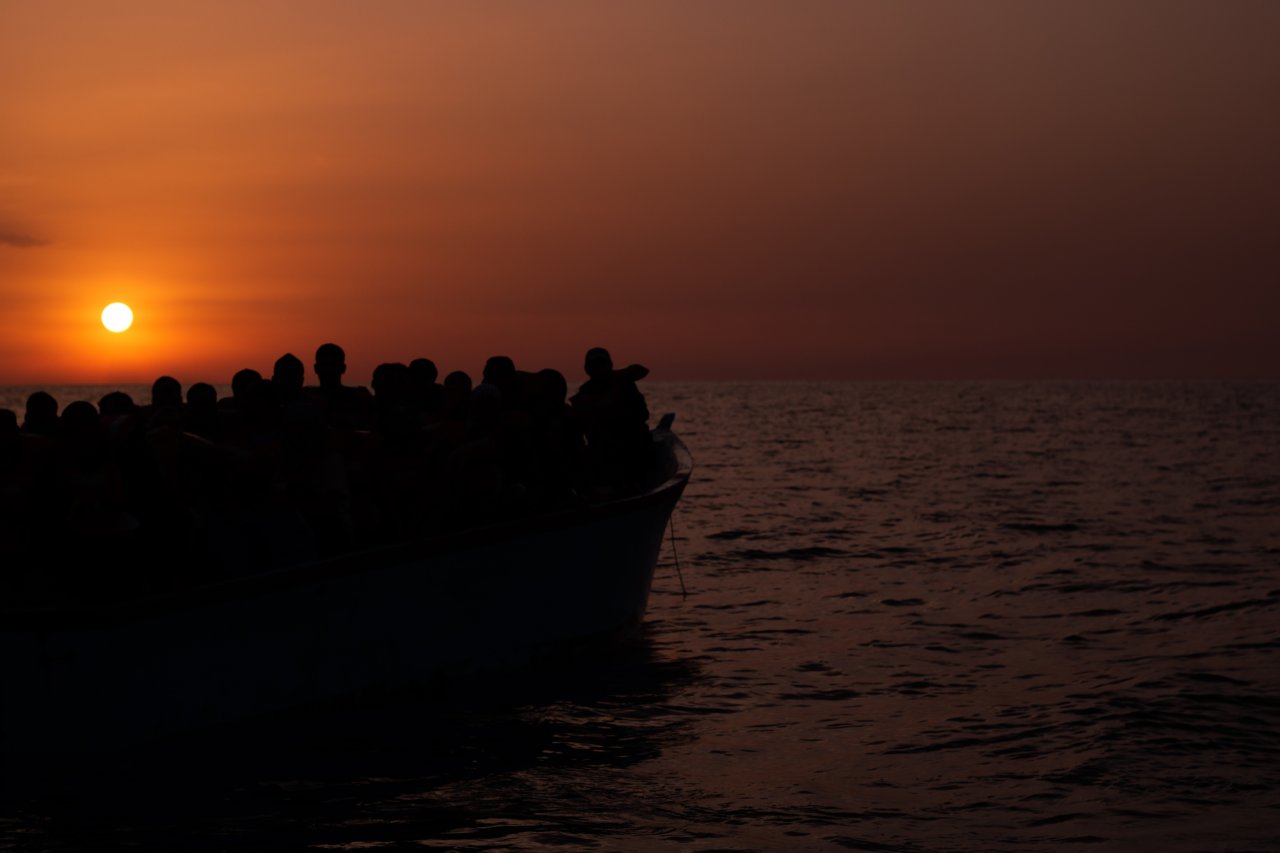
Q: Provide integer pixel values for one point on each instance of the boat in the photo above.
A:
(103, 676)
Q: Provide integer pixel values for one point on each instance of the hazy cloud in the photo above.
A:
(19, 238)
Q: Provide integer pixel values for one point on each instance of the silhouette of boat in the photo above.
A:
(98, 677)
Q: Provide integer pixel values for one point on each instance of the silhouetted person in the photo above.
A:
(203, 470)
(243, 380)
(258, 412)
(43, 502)
(202, 417)
(559, 447)
(82, 434)
(475, 482)
(497, 369)
(202, 395)
(41, 417)
(457, 394)
(234, 427)
(516, 439)
(398, 460)
(425, 373)
(424, 370)
(94, 498)
(395, 401)
(115, 405)
(166, 391)
(501, 373)
(166, 404)
(121, 417)
(458, 382)
(455, 397)
(344, 406)
(614, 420)
(392, 381)
(314, 478)
(288, 377)
(450, 428)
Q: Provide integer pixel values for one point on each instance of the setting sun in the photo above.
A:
(117, 317)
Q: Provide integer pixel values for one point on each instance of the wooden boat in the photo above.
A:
(99, 677)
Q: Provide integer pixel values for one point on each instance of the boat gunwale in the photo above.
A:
(108, 614)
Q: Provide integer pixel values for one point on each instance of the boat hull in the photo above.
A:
(97, 679)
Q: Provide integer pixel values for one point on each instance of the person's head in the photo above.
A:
(41, 406)
(552, 387)
(331, 363)
(598, 363)
(458, 381)
(79, 415)
(243, 381)
(424, 371)
(288, 374)
(116, 404)
(391, 380)
(81, 427)
(457, 391)
(499, 370)
(82, 434)
(166, 391)
(202, 397)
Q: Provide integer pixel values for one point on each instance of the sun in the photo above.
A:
(117, 317)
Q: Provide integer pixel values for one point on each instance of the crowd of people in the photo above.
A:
(281, 472)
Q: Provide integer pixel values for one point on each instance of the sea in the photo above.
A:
(890, 617)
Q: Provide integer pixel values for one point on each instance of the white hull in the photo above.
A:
(98, 678)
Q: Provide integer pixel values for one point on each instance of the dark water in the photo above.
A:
(920, 617)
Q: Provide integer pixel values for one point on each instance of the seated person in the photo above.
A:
(166, 408)
(425, 373)
(41, 417)
(287, 378)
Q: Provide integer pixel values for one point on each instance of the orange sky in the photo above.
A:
(716, 189)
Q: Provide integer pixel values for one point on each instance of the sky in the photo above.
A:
(717, 190)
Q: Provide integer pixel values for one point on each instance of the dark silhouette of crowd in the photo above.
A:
(188, 490)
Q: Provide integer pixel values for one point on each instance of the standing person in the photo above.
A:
(344, 406)
(614, 419)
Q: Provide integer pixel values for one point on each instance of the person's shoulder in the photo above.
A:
(593, 390)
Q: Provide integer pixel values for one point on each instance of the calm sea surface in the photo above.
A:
(921, 616)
